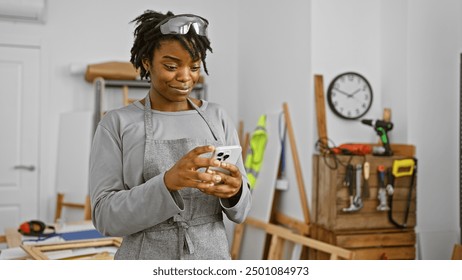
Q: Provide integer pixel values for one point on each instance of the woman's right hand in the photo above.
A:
(184, 173)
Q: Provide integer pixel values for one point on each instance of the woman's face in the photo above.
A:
(173, 75)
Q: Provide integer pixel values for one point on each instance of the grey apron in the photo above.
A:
(197, 232)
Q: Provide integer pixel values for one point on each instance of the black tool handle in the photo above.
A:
(349, 179)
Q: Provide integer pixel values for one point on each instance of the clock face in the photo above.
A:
(349, 96)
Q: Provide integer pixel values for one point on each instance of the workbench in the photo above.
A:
(367, 231)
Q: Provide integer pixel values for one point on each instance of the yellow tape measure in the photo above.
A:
(403, 167)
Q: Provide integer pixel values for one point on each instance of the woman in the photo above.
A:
(146, 169)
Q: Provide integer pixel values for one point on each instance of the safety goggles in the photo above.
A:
(180, 24)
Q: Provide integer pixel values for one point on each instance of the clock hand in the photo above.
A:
(342, 92)
(355, 92)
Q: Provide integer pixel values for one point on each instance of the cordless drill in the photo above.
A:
(382, 128)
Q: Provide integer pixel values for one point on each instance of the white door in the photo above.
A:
(19, 131)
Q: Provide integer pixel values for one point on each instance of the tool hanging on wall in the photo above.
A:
(402, 168)
(354, 187)
(358, 198)
(352, 149)
(382, 193)
(382, 128)
(366, 173)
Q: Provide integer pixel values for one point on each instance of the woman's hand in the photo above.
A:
(185, 171)
(229, 185)
(185, 174)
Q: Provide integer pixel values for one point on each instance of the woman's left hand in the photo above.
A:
(229, 184)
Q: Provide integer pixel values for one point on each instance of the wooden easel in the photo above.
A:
(457, 252)
(282, 227)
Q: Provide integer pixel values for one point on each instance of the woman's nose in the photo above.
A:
(184, 75)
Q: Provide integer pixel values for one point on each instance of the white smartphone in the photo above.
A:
(228, 154)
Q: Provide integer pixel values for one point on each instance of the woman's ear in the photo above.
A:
(146, 64)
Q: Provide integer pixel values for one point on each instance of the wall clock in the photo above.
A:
(349, 95)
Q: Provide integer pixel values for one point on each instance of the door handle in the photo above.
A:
(25, 167)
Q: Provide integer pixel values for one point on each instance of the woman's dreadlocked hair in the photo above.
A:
(148, 39)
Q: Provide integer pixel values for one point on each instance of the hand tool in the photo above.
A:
(401, 168)
(366, 172)
(390, 181)
(382, 128)
(358, 201)
(348, 182)
(382, 193)
(353, 149)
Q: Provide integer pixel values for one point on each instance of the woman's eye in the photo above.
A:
(195, 68)
(170, 67)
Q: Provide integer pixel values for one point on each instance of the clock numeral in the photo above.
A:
(357, 111)
(349, 113)
(350, 77)
(364, 105)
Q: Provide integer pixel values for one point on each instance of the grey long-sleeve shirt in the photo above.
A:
(122, 203)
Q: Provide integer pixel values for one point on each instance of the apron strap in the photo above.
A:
(206, 119)
(184, 240)
(148, 148)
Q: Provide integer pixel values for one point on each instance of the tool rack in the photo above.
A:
(367, 232)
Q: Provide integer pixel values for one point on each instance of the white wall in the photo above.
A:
(433, 92)
(274, 67)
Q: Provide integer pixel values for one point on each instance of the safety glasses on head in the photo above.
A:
(180, 24)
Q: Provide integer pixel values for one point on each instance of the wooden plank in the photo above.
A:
(240, 132)
(457, 252)
(297, 166)
(399, 194)
(370, 207)
(292, 223)
(37, 251)
(386, 253)
(376, 240)
(353, 222)
(275, 250)
(13, 237)
(237, 240)
(34, 253)
(300, 239)
(320, 110)
(314, 190)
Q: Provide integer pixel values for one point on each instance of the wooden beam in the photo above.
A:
(297, 166)
(13, 238)
(457, 252)
(292, 223)
(237, 240)
(286, 234)
(320, 110)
